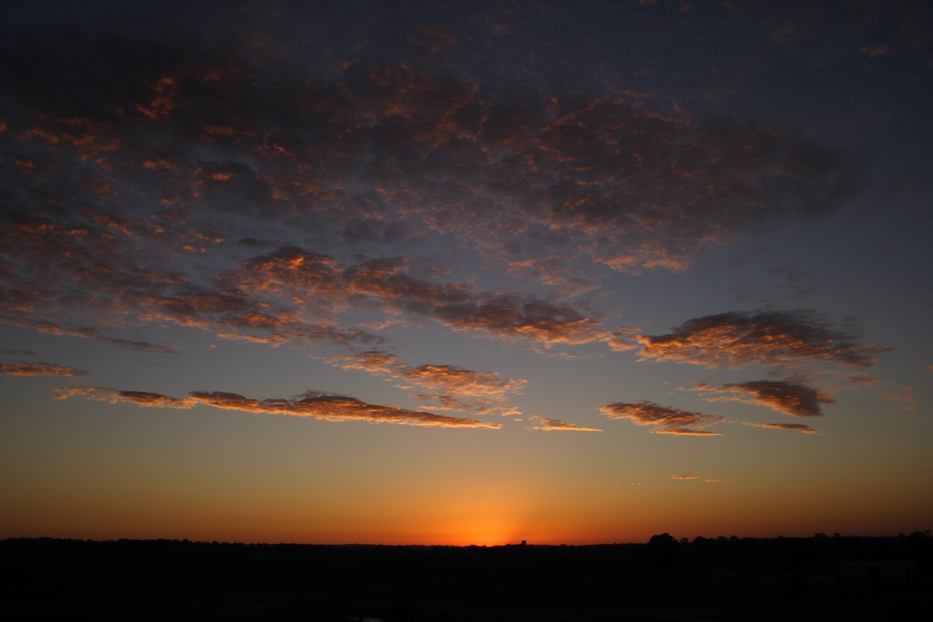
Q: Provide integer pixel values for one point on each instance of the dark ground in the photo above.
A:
(819, 578)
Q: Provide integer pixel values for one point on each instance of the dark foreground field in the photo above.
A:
(820, 578)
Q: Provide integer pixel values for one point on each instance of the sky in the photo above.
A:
(465, 273)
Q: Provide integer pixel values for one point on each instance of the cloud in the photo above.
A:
(684, 432)
(555, 272)
(786, 427)
(113, 396)
(693, 478)
(665, 420)
(134, 193)
(93, 333)
(455, 388)
(548, 424)
(56, 270)
(902, 395)
(785, 397)
(273, 340)
(315, 405)
(372, 362)
(320, 280)
(39, 369)
(739, 338)
(51, 328)
(462, 381)
(874, 51)
(139, 346)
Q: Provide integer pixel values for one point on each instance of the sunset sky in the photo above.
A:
(454, 273)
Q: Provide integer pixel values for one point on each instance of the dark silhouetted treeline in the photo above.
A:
(823, 577)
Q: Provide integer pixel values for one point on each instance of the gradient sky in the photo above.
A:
(568, 272)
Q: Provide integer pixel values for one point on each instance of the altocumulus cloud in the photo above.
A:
(738, 338)
(39, 369)
(790, 398)
(456, 388)
(171, 171)
(321, 281)
(785, 427)
(151, 196)
(144, 399)
(549, 424)
(99, 279)
(315, 405)
(664, 419)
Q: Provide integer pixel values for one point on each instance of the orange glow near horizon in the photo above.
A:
(458, 513)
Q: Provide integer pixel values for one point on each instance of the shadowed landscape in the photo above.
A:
(822, 577)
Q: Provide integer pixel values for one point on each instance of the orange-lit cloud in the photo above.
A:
(462, 381)
(448, 378)
(455, 388)
(549, 424)
(785, 397)
(273, 340)
(320, 280)
(140, 346)
(164, 93)
(86, 272)
(372, 361)
(664, 419)
(85, 332)
(548, 187)
(786, 427)
(903, 395)
(113, 396)
(685, 432)
(554, 272)
(874, 51)
(315, 405)
(39, 369)
(738, 338)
